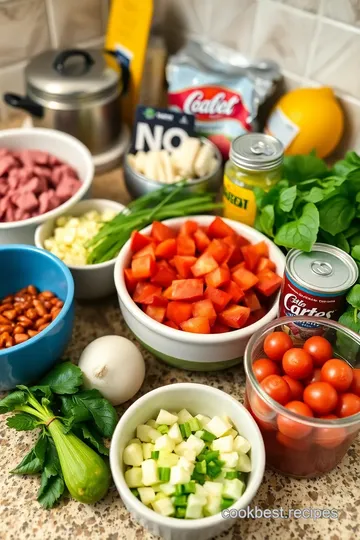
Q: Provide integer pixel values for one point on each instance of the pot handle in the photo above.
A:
(63, 56)
(25, 103)
(124, 67)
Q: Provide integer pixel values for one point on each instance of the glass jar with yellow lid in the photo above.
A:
(255, 161)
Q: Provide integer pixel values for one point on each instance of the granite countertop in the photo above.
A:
(21, 517)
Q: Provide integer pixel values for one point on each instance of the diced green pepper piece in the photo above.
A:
(200, 467)
(213, 470)
(181, 500)
(219, 463)
(207, 436)
(210, 456)
(194, 424)
(163, 429)
(135, 492)
(190, 487)
(185, 430)
(164, 474)
(155, 454)
(178, 489)
(225, 503)
(230, 475)
(180, 512)
(198, 477)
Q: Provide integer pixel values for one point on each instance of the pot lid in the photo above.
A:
(70, 75)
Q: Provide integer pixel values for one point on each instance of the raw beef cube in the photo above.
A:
(4, 152)
(40, 157)
(4, 203)
(25, 174)
(13, 180)
(27, 201)
(53, 199)
(44, 172)
(56, 176)
(9, 216)
(67, 187)
(44, 203)
(6, 163)
(3, 189)
(53, 160)
(19, 215)
(27, 158)
(35, 185)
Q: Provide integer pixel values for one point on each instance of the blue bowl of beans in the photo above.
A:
(36, 313)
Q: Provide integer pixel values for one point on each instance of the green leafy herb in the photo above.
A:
(300, 168)
(94, 438)
(65, 378)
(287, 198)
(267, 220)
(22, 422)
(33, 461)
(300, 233)
(13, 400)
(336, 215)
(51, 490)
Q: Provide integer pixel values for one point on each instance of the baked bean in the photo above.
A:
(8, 299)
(25, 321)
(4, 320)
(48, 304)
(32, 290)
(59, 303)
(5, 328)
(5, 307)
(20, 338)
(40, 308)
(3, 338)
(46, 295)
(19, 329)
(43, 326)
(31, 313)
(32, 333)
(10, 314)
(9, 342)
(55, 312)
(40, 322)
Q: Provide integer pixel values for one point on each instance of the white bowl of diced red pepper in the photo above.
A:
(194, 290)
(43, 173)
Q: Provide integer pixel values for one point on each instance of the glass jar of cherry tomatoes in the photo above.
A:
(305, 398)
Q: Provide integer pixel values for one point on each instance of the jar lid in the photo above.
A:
(70, 75)
(325, 270)
(256, 152)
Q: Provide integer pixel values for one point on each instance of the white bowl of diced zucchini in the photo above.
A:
(184, 458)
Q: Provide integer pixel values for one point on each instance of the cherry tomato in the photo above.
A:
(297, 363)
(355, 385)
(319, 348)
(292, 428)
(296, 388)
(264, 367)
(294, 444)
(276, 388)
(329, 437)
(348, 405)
(321, 397)
(338, 373)
(276, 344)
(315, 377)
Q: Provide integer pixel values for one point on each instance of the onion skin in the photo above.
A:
(86, 474)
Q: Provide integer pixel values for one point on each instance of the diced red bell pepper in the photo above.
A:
(130, 280)
(204, 265)
(237, 266)
(166, 249)
(160, 301)
(163, 276)
(196, 325)
(265, 264)
(262, 248)
(172, 262)
(244, 278)
(204, 308)
(172, 325)
(183, 264)
(252, 301)
(234, 255)
(219, 229)
(161, 232)
(218, 277)
(234, 290)
(138, 241)
(234, 316)
(218, 297)
(155, 312)
(145, 292)
(268, 282)
(168, 293)
(147, 250)
(179, 312)
(143, 267)
(202, 240)
(219, 328)
(256, 316)
(251, 256)
(189, 227)
(219, 250)
(187, 289)
(185, 245)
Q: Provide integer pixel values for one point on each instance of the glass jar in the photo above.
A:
(255, 161)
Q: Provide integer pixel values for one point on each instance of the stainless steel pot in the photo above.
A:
(77, 92)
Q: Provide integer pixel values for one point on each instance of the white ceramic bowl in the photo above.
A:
(198, 399)
(63, 146)
(182, 349)
(93, 280)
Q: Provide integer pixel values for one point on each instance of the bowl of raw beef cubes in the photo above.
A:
(43, 173)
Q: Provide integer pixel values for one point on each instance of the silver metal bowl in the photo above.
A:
(137, 184)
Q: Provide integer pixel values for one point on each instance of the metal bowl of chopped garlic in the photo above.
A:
(197, 159)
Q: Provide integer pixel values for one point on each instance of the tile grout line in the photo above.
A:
(315, 39)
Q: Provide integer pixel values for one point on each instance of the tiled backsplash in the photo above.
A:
(314, 41)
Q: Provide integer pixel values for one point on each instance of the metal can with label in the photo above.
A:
(315, 284)
(255, 161)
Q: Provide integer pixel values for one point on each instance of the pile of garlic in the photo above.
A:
(72, 233)
(191, 160)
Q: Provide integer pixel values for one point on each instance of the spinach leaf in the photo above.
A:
(315, 195)
(33, 462)
(301, 233)
(353, 297)
(299, 168)
(355, 253)
(13, 400)
(266, 220)
(65, 378)
(259, 196)
(102, 412)
(51, 490)
(342, 243)
(22, 422)
(287, 197)
(91, 435)
(353, 182)
(352, 230)
(52, 463)
(41, 390)
(336, 215)
(77, 411)
(355, 240)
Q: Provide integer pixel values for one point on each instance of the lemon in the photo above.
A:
(307, 119)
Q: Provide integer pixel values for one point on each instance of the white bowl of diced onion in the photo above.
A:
(203, 403)
(91, 280)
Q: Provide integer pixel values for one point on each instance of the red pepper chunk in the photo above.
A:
(204, 265)
(268, 282)
(235, 316)
(161, 232)
(218, 277)
(219, 229)
(204, 308)
(179, 312)
(196, 325)
(244, 278)
(143, 267)
(155, 312)
(166, 249)
(138, 241)
(187, 289)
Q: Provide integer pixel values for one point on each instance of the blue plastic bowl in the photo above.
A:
(21, 266)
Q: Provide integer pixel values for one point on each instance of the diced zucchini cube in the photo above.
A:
(133, 477)
(195, 444)
(156, 487)
(149, 472)
(135, 441)
(160, 495)
(181, 448)
(164, 443)
(164, 506)
(230, 458)
(213, 488)
(179, 475)
(190, 455)
(152, 423)
(233, 489)
(228, 420)
(199, 433)
(167, 488)
(218, 426)
(194, 509)
(147, 433)
(201, 492)
(164, 417)
(147, 495)
(166, 459)
(213, 505)
(232, 432)
(184, 416)
(241, 444)
(223, 444)
(204, 420)
(244, 463)
(186, 464)
(175, 433)
(147, 449)
(133, 455)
